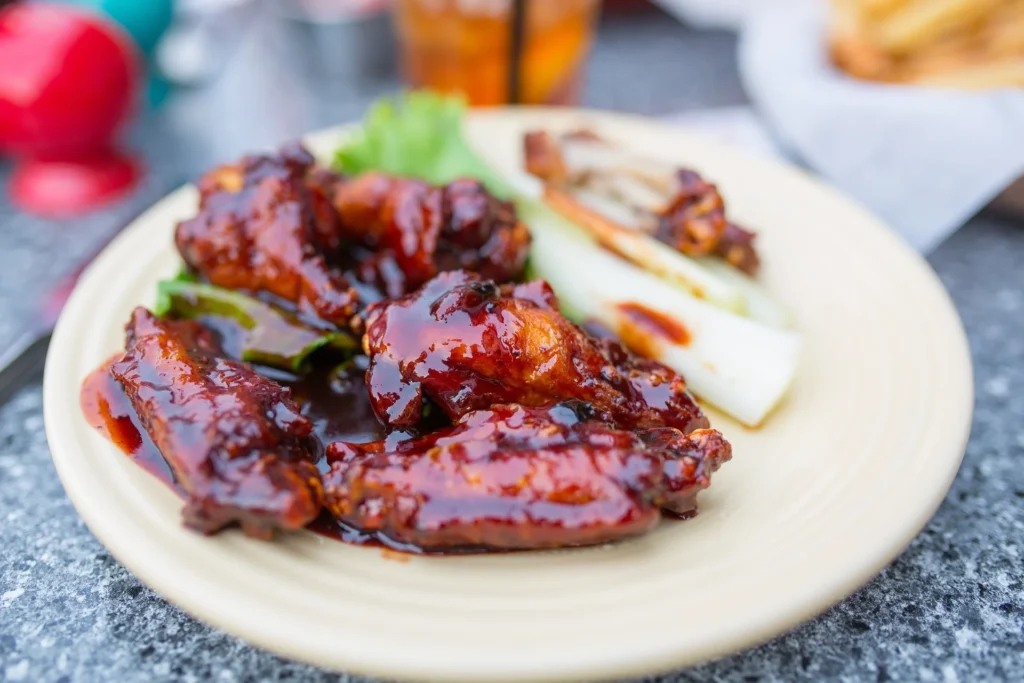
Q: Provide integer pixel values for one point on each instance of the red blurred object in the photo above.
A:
(68, 81)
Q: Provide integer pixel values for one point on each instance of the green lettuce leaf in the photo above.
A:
(417, 135)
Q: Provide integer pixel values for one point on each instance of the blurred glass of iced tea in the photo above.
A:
(465, 46)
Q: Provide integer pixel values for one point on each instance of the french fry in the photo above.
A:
(862, 60)
(924, 21)
(1005, 74)
(929, 64)
(846, 22)
(880, 8)
(949, 43)
(950, 53)
(850, 48)
(1003, 33)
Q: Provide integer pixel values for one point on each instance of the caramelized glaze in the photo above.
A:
(507, 478)
(467, 344)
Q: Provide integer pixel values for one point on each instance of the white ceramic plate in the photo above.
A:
(814, 503)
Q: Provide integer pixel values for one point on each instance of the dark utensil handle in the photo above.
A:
(22, 362)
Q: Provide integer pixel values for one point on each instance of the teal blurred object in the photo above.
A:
(146, 21)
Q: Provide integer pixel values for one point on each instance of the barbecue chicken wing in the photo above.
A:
(467, 344)
(418, 230)
(267, 224)
(689, 460)
(513, 477)
(235, 441)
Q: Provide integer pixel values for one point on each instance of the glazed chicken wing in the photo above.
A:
(266, 224)
(467, 344)
(234, 440)
(514, 478)
(418, 230)
(688, 460)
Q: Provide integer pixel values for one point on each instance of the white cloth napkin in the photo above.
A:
(924, 159)
(737, 126)
(723, 14)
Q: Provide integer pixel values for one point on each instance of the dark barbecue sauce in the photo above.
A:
(110, 412)
(334, 397)
(337, 402)
(328, 526)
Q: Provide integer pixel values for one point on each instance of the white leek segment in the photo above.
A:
(615, 196)
(594, 154)
(597, 215)
(739, 365)
(758, 303)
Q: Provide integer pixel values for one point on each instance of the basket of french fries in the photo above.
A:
(969, 44)
(915, 107)
(975, 44)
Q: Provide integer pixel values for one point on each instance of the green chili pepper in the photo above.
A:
(273, 337)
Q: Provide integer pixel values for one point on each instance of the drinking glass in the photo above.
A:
(470, 47)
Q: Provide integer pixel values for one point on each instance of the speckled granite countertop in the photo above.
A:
(950, 608)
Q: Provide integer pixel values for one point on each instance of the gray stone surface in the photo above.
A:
(950, 608)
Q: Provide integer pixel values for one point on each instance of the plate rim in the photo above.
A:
(56, 373)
